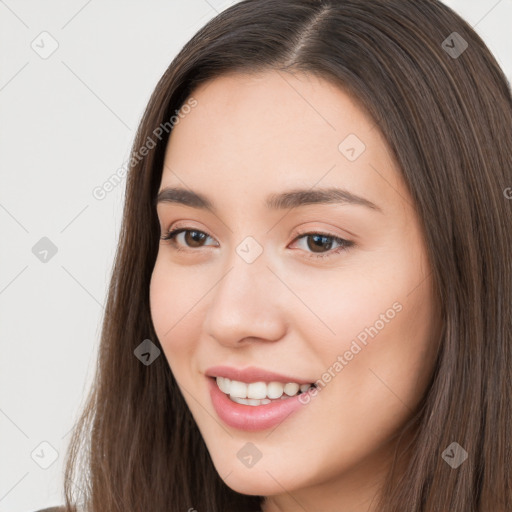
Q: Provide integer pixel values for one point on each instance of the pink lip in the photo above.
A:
(252, 374)
(249, 417)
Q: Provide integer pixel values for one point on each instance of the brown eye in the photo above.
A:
(320, 245)
(192, 238)
(319, 242)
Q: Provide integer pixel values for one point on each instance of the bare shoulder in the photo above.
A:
(51, 509)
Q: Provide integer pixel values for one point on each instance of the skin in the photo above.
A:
(250, 136)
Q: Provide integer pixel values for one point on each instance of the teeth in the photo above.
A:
(257, 390)
(256, 393)
(221, 382)
(237, 389)
(292, 388)
(275, 390)
(250, 401)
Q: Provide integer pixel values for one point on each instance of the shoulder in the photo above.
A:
(51, 509)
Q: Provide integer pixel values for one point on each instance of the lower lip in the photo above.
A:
(252, 417)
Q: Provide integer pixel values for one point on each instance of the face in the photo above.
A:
(333, 290)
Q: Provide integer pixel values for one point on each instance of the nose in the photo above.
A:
(249, 303)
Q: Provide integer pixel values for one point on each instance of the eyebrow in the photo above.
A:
(278, 201)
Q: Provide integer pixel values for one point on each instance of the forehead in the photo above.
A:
(255, 134)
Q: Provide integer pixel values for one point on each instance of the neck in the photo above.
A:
(354, 490)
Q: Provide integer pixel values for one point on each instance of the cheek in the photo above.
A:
(380, 352)
(369, 388)
(174, 312)
(161, 300)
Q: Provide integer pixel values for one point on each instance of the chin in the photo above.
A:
(246, 482)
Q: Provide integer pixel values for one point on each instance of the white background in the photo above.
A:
(66, 125)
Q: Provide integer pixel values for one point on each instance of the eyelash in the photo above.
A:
(345, 245)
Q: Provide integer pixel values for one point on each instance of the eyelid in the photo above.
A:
(186, 226)
(317, 231)
(171, 234)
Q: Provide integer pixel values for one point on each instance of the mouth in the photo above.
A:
(277, 403)
(261, 392)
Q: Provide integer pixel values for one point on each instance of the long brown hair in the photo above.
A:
(444, 107)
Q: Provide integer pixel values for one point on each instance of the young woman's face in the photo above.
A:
(317, 289)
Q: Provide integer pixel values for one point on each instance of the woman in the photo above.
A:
(243, 366)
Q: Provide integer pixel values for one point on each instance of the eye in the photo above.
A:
(193, 237)
(319, 241)
(318, 246)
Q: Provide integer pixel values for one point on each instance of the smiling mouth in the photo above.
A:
(260, 393)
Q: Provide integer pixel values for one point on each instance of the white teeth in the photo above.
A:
(223, 385)
(275, 390)
(237, 389)
(292, 388)
(258, 392)
(250, 401)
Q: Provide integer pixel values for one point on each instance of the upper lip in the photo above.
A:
(252, 374)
